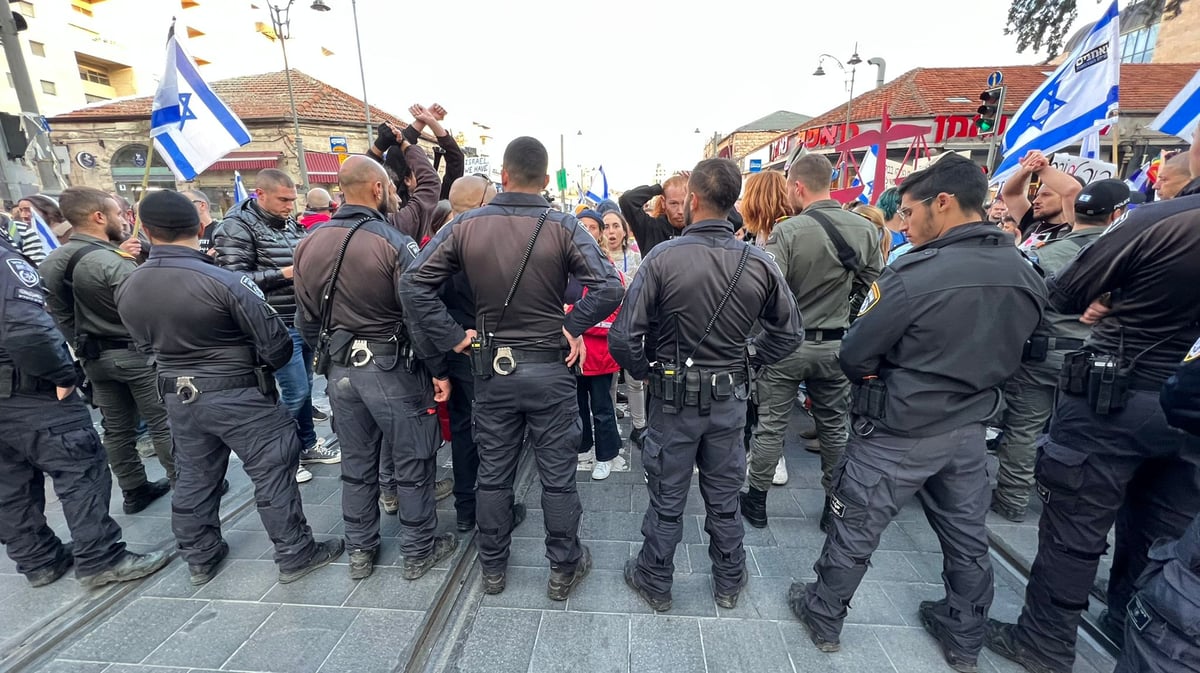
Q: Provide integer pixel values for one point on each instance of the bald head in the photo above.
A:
(317, 199)
(468, 192)
(365, 183)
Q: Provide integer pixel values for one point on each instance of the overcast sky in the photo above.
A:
(636, 77)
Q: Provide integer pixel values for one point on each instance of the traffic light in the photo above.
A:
(988, 117)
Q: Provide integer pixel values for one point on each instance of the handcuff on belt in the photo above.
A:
(186, 390)
(360, 353)
(504, 363)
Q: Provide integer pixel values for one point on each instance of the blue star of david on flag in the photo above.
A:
(192, 128)
(1073, 102)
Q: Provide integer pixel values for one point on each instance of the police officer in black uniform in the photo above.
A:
(217, 342)
(48, 430)
(1162, 629)
(940, 331)
(1111, 457)
(371, 366)
(517, 254)
(694, 302)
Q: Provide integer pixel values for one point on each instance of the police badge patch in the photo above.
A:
(414, 249)
(872, 299)
(253, 287)
(24, 272)
(1193, 353)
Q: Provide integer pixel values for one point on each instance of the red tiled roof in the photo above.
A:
(253, 97)
(1145, 88)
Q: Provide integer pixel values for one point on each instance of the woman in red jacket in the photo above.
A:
(594, 387)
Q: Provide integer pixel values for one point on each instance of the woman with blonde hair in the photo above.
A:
(876, 216)
(764, 204)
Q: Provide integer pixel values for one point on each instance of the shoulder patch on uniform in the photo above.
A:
(414, 249)
(253, 287)
(1110, 228)
(1194, 352)
(24, 272)
(25, 294)
(872, 299)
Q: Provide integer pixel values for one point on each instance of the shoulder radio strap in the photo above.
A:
(327, 297)
(845, 254)
(520, 270)
(66, 291)
(721, 304)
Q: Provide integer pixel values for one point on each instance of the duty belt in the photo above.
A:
(1063, 344)
(113, 344)
(362, 351)
(12, 381)
(189, 388)
(824, 334)
(694, 387)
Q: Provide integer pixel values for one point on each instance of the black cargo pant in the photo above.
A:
(43, 436)
(537, 400)
(880, 472)
(674, 443)
(125, 387)
(380, 406)
(1162, 629)
(1128, 467)
(263, 434)
(462, 437)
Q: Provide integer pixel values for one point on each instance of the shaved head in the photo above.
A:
(468, 192)
(365, 183)
(317, 199)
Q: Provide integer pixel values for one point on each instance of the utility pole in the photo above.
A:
(25, 97)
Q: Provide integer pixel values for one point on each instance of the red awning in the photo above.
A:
(322, 167)
(246, 160)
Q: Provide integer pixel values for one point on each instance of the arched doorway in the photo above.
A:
(129, 167)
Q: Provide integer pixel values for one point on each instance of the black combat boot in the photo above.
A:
(138, 499)
(754, 507)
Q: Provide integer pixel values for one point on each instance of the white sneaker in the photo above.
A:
(587, 460)
(618, 464)
(601, 470)
(303, 475)
(781, 475)
(320, 453)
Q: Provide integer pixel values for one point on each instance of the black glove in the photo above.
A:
(384, 138)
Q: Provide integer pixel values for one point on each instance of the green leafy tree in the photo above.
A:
(1043, 24)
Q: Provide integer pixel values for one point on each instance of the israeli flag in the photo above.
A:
(1182, 114)
(44, 233)
(1073, 102)
(239, 189)
(592, 194)
(191, 127)
(866, 174)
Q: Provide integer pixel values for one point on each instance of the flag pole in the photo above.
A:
(1116, 142)
(137, 220)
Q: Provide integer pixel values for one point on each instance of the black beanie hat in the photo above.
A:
(168, 210)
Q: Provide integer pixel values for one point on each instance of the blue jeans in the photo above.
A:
(596, 410)
(295, 389)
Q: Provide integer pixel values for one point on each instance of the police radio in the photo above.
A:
(482, 352)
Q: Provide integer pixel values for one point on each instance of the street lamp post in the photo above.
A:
(850, 102)
(281, 24)
(320, 6)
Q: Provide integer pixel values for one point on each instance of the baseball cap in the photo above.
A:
(1102, 197)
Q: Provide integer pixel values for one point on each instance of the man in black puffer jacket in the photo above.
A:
(259, 237)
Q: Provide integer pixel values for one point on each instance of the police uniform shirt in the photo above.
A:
(943, 327)
(1052, 257)
(29, 340)
(95, 280)
(1147, 259)
(808, 260)
(199, 319)
(366, 302)
(1181, 393)
(676, 291)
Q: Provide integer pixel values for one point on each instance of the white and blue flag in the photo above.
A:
(1074, 102)
(191, 127)
(1182, 114)
(866, 174)
(239, 188)
(44, 233)
(597, 193)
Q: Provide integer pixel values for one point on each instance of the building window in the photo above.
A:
(1138, 46)
(37, 48)
(25, 7)
(94, 76)
(94, 99)
(48, 87)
